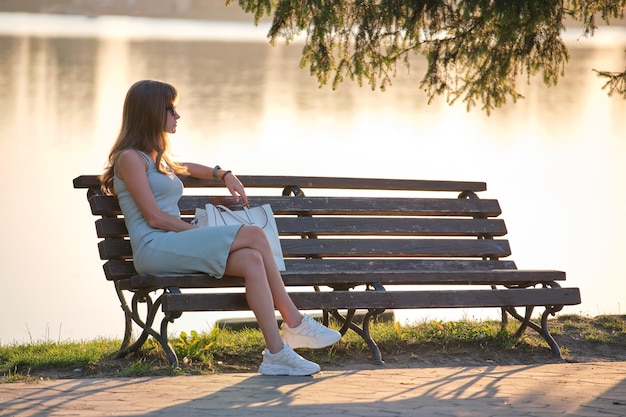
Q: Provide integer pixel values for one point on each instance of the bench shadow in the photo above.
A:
(467, 391)
(66, 394)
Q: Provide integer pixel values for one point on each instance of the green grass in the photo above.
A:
(223, 350)
(601, 329)
(22, 359)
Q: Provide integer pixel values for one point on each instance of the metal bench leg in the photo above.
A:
(367, 319)
(128, 325)
(545, 331)
(542, 329)
(348, 323)
(146, 326)
(524, 322)
(167, 348)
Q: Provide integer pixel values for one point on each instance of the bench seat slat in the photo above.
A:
(384, 299)
(335, 279)
(117, 269)
(325, 226)
(367, 265)
(108, 206)
(120, 248)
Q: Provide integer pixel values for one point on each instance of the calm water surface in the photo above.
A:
(555, 160)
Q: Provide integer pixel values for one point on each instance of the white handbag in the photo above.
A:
(261, 216)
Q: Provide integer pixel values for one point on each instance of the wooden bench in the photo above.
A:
(345, 242)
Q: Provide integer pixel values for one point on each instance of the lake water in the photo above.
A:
(554, 160)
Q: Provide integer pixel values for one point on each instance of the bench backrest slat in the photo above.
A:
(261, 181)
(108, 206)
(327, 226)
(439, 248)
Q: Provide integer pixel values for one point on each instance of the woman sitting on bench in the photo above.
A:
(144, 178)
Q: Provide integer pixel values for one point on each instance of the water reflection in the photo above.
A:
(554, 159)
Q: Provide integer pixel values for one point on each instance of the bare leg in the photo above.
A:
(251, 258)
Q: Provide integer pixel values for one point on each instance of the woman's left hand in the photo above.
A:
(236, 188)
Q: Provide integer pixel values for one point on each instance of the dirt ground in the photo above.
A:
(577, 342)
(575, 350)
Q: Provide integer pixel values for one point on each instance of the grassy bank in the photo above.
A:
(428, 343)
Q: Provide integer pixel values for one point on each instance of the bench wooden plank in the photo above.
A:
(325, 226)
(384, 299)
(396, 247)
(426, 265)
(261, 181)
(364, 206)
(108, 206)
(335, 279)
(117, 269)
(273, 181)
(120, 248)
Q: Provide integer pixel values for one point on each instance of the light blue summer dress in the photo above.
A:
(204, 249)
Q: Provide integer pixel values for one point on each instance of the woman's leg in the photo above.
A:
(248, 264)
(252, 237)
(278, 358)
(251, 258)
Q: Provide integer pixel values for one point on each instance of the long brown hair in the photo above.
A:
(143, 127)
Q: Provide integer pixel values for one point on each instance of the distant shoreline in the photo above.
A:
(211, 11)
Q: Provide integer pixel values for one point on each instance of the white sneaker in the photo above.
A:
(309, 334)
(287, 362)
